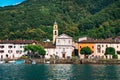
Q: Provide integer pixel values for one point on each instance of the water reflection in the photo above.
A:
(59, 72)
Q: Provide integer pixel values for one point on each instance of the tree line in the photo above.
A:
(34, 19)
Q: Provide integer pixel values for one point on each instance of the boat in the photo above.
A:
(19, 61)
(33, 62)
(1, 62)
(11, 61)
(47, 62)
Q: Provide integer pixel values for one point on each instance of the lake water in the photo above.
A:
(10, 2)
(59, 72)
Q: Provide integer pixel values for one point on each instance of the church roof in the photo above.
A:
(63, 36)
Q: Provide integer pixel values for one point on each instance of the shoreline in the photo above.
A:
(72, 61)
(66, 61)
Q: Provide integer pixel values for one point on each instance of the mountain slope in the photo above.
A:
(34, 19)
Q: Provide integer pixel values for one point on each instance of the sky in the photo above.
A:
(9, 2)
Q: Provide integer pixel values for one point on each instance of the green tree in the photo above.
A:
(86, 51)
(111, 51)
(33, 50)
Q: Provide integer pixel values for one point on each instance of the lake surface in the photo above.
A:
(4, 3)
(59, 72)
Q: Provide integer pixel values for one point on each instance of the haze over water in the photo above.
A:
(4, 3)
(59, 72)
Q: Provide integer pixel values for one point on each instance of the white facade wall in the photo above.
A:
(11, 50)
(63, 41)
(103, 47)
(50, 52)
(67, 50)
(64, 47)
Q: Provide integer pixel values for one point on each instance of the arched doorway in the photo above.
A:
(6, 55)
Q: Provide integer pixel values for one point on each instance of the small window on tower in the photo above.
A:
(55, 33)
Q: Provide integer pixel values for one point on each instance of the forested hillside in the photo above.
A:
(34, 19)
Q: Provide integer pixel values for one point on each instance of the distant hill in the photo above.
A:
(34, 19)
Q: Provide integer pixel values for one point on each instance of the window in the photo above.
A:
(106, 45)
(20, 51)
(9, 51)
(1, 56)
(1, 46)
(102, 45)
(56, 52)
(55, 32)
(20, 46)
(64, 40)
(80, 47)
(117, 46)
(55, 27)
(9, 46)
(17, 51)
(58, 41)
(63, 49)
(102, 51)
(1, 51)
(98, 48)
(14, 46)
(69, 41)
(93, 47)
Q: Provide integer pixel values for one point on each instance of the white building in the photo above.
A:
(13, 49)
(101, 46)
(64, 47)
(61, 47)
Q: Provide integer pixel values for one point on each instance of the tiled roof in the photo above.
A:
(109, 40)
(63, 36)
(17, 41)
(47, 44)
(118, 37)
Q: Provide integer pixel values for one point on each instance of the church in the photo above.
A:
(61, 46)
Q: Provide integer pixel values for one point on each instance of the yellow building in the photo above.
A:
(84, 44)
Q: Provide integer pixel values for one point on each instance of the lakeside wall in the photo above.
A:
(73, 61)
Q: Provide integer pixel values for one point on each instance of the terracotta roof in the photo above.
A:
(109, 40)
(47, 44)
(17, 41)
(118, 37)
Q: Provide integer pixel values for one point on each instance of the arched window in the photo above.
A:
(98, 48)
(55, 32)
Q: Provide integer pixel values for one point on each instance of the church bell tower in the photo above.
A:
(55, 32)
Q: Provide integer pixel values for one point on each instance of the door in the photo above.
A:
(63, 55)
